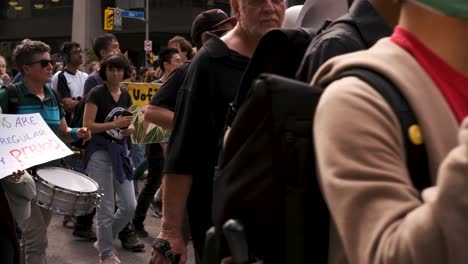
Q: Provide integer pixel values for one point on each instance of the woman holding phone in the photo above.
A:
(107, 161)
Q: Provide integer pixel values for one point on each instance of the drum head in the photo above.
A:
(67, 179)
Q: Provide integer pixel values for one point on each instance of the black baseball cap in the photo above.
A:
(207, 21)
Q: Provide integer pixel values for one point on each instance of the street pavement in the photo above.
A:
(66, 249)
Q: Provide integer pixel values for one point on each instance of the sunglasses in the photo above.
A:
(44, 63)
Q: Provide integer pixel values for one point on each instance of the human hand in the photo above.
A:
(123, 121)
(177, 247)
(69, 104)
(84, 133)
(15, 176)
(128, 131)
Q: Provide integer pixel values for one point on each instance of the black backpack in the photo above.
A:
(77, 121)
(267, 203)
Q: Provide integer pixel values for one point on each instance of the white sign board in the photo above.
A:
(118, 19)
(148, 45)
(26, 141)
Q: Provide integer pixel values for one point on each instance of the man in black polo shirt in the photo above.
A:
(374, 19)
(160, 110)
(209, 86)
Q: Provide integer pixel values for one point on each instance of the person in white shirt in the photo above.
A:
(70, 81)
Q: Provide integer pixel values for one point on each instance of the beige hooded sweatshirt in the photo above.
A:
(378, 216)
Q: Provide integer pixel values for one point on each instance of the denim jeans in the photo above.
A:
(34, 235)
(110, 222)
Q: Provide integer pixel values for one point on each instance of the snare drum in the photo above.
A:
(65, 191)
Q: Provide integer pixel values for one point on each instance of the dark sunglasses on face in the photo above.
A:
(44, 63)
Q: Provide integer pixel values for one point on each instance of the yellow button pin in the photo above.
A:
(415, 135)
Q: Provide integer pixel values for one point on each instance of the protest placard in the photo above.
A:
(145, 132)
(25, 141)
(141, 93)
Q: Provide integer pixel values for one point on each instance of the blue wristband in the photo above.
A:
(73, 134)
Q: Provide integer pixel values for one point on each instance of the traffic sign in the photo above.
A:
(118, 19)
(148, 45)
(133, 14)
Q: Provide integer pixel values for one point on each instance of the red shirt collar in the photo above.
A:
(451, 83)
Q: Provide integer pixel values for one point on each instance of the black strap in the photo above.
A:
(416, 154)
(12, 99)
(279, 52)
(164, 248)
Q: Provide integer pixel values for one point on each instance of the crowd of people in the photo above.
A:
(378, 215)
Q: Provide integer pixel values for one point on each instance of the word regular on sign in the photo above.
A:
(26, 141)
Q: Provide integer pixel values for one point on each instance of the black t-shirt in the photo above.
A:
(108, 109)
(210, 85)
(166, 97)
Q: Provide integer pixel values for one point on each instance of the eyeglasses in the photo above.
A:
(76, 52)
(44, 63)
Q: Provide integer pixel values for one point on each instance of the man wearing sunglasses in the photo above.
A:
(33, 60)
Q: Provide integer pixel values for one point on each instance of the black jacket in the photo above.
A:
(360, 29)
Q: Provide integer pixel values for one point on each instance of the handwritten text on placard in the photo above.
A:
(26, 141)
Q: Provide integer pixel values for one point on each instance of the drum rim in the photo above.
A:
(36, 175)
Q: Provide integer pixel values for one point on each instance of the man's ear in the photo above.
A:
(235, 7)
(203, 38)
(102, 53)
(25, 68)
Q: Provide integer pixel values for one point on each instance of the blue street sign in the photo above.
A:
(133, 14)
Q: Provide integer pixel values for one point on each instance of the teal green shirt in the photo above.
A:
(28, 103)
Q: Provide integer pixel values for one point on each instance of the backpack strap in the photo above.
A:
(279, 52)
(12, 99)
(416, 153)
(56, 95)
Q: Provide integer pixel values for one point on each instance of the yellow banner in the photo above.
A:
(142, 93)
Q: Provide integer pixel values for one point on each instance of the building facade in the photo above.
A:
(57, 21)
(82, 20)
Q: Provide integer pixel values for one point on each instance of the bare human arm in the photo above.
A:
(69, 104)
(176, 190)
(65, 132)
(159, 116)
